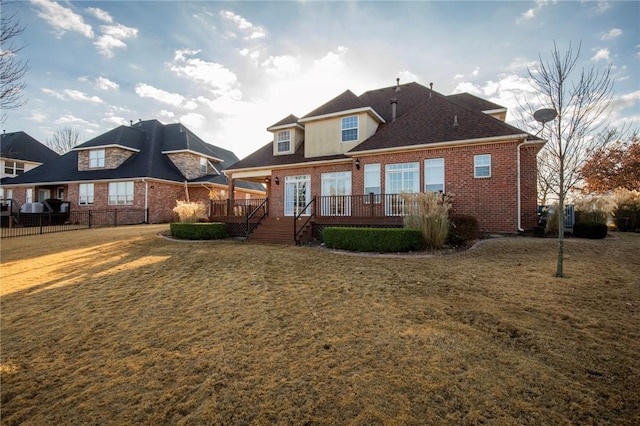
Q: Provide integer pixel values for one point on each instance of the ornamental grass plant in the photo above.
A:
(190, 212)
(429, 213)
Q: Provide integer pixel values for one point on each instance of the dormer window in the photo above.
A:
(284, 141)
(350, 129)
(96, 158)
(203, 165)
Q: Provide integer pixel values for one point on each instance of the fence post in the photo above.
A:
(115, 218)
(371, 197)
(41, 214)
(89, 219)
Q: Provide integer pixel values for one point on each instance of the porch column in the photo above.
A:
(230, 203)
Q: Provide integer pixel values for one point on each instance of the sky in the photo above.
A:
(228, 70)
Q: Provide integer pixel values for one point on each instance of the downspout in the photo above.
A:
(519, 202)
(209, 203)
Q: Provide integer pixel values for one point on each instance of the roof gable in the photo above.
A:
(346, 101)
(21, 146)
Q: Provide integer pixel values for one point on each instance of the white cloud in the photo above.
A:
(601, 6)
(166, 114)
(249, 30)
(104, 83)
(627, 100)
(38, 116)
(111, 38)
(611, 34)
(529, 14)
(117, 120)
(62, 19)
(520, 64)
(74, 95)
(100, 14)
(218, 78)
(280, 66)
(70, 119)
(174, 99)
(193, 120)
(601, 55)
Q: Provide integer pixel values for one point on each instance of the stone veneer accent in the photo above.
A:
(113, 158)
(188, 164)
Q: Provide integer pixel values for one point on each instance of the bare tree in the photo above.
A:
(581, 100)
(64, 140)
(12, 69)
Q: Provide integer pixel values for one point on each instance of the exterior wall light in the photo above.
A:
(277, 180)
(357, 164)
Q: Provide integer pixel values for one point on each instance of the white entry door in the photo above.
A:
(297, 194)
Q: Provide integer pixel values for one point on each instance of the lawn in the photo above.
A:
(120, 326)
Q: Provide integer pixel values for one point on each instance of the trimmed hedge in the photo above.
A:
(198, 231)
(381, 240)
(592, 230)
(463, 228)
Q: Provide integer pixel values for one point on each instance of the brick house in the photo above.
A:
(20, 153)
(347, 161)
(144, 167)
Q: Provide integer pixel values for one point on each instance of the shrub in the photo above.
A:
(190, 212)
(383, 240)
(592, 209)
(198, 231)
(428, 212)
(592, 230)
(627, 210)
(463, 228)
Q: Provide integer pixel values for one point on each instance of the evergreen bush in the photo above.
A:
(463, 228)
(382, 240)
(198, 231)
(591, 230)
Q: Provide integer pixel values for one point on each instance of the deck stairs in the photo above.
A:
(274, 230)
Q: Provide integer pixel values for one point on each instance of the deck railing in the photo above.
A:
(238, 208)
(370, 205)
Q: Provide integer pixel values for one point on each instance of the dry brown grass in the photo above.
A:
(119, 326)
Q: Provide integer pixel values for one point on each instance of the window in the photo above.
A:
(336, 191)
(350, 129)
(120, 193)
(96, 158)
(29, 197)
(372, 181)
(13, 168)
(203, 165)
(482, 166)
(400, 178)
(434, 175)
(284, 141)
(86, 194)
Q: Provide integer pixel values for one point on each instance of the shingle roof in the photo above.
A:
(151, 138)
(423, 116)
(21, 146)
(290, 119)
(344, 102)
(475, 103)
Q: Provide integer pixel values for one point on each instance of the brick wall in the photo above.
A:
(113, 158)
(493, 200)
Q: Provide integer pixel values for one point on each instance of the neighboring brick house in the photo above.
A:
(403, 138)
(20, 153)
(145, 167)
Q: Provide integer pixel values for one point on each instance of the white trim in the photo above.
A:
(495, 139)
(285, 126)
(113, 145)
(343, 113)
(494, 111)
(287, 166)
(190, 151)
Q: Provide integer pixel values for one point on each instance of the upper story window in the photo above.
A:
(482, 166)
(434, 175)
(284, 141)
(13, 168)
(350, 129)
(96, 158)
(203, 165)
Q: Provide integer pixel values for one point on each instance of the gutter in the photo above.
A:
(146, 200)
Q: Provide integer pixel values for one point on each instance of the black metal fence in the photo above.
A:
(24, 224)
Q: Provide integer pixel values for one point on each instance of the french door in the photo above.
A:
(297, 194)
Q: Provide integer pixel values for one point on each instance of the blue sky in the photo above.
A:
(228, 70)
